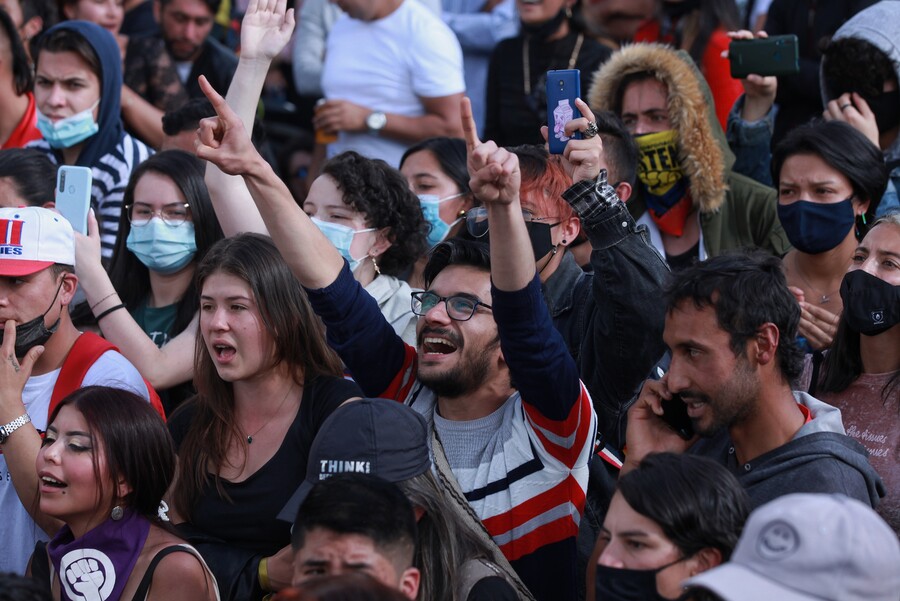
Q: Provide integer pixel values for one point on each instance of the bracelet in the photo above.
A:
(263, 573)
(94, 306)
(110, 310)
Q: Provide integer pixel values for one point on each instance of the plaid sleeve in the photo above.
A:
(590, 197)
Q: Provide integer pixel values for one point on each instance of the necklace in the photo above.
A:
(274, 415)
(526, 63)
(824, 297)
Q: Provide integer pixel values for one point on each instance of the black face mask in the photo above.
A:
(618, 584)
(539, 32)
(33, 333)
(871, 305)
(541, 242)
(886, 107)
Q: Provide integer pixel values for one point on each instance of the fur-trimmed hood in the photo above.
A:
(702, 148)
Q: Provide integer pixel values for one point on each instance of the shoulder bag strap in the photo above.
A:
(468, 516)
(143, 588)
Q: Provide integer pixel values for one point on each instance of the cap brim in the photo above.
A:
(13, 267)
(734, 582)
(289, 511)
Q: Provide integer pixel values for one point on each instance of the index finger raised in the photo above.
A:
(585, 110)
(216, 99)
(470, 131)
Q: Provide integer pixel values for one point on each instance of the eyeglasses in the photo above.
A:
(477, 220)
(459, 308)
(173, 215)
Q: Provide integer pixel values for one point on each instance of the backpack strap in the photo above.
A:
(84, 353)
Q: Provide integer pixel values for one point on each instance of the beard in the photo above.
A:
(468, 375)
(731, 404)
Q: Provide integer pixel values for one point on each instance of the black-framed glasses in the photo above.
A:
(459, 308)
(173, 215)
(477, 220)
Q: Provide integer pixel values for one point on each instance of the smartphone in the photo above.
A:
(73, 195)
(563, 87)
(676, 417)
(776, 55)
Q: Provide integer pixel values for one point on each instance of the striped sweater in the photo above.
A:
(111, 174)
(522, 468)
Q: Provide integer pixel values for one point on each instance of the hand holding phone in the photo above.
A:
(563, 87)
(676, 416)
(776, 55)
(73, 195)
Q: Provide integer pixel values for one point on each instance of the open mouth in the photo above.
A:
(224, 352)
(433, 345)
(52, 482)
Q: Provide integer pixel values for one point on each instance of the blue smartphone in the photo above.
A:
(563, 87)
(73, 195)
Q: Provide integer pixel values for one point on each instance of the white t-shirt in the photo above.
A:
(18, 532)
(388, 65)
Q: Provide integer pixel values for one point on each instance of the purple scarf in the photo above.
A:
(96, 566)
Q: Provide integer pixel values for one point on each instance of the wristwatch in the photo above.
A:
(376, 122)
(12, 426)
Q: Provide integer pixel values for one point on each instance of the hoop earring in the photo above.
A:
(375, 264)
(117, 513)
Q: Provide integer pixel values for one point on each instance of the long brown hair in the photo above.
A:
(299, 344)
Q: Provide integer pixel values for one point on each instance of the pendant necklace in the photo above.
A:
(277, 411)
(823, 298)
(526, 62)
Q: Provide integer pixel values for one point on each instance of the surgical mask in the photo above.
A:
(665, 185)
(618, 584)
(431, 210)
(70, 131)
(341, 236)
(815, 227)
(163, 248)
(871, 305)
(33, 333)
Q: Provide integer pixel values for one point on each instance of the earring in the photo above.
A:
(564, 241)
(568, 12)
(863, 215)
(375, 265)
(117, 513)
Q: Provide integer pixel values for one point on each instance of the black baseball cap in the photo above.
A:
(373, 436)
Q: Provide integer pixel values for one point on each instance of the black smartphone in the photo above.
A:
(563, 87)
(776, 55)
(676, 417)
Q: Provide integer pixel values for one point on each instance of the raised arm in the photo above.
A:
(495, 181)
(163, 367)
(356, 329)
(265, 31)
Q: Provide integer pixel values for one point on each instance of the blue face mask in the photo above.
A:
(70, 131)
(341, 236)
(163, 248)
(815, 227)
(431, 209)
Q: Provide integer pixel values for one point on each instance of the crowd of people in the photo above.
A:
(340, 326)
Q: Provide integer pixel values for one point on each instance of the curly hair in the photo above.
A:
(382, 194)
(855, 65)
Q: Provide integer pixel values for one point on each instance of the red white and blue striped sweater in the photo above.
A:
(528, 479)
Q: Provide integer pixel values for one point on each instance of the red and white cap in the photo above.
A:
(32, 239)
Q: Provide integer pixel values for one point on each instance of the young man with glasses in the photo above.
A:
(490, 374)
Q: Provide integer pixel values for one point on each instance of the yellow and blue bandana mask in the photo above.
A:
(665, 185)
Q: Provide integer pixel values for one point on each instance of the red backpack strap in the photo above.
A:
(84, 353)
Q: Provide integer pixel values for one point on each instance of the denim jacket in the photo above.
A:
(611, 319)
